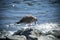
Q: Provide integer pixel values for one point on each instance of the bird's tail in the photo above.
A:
(17, 22)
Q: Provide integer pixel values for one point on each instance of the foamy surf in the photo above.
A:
(47, 26)
(44, 28)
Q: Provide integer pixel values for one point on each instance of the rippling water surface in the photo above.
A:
(46, 11)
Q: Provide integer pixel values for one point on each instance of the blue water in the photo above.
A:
(11, 11)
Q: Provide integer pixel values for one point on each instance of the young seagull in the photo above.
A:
(27, 20)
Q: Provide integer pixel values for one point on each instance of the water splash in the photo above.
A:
(46, 27)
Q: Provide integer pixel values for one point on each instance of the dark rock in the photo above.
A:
(27, 32)
(23, 32)
(18, 32)
(2, 38)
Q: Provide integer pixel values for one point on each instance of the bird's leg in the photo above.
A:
(28, 25)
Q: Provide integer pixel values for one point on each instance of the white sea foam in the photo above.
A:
(46, 27)
(42, 27)
(11, 32)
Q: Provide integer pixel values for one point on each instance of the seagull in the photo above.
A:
(27, 20)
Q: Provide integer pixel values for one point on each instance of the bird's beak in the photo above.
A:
(36, 21)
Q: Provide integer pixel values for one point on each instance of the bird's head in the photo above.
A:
(35, 20)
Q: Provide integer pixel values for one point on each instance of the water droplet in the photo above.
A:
(13, 5)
